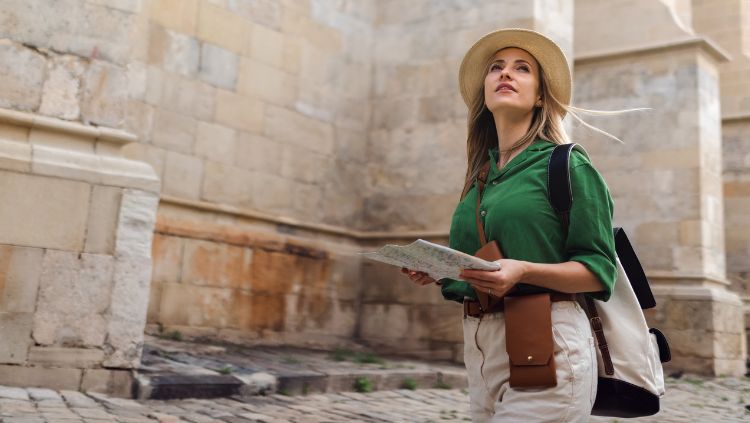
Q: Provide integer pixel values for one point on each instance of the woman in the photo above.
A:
(517, 86)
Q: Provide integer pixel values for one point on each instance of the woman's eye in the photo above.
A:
(523, 68)
(495, 67)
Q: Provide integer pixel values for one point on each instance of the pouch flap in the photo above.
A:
(528, 329)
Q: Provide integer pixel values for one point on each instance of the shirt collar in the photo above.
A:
(536, 145)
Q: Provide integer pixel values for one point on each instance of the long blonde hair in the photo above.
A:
(546, 123)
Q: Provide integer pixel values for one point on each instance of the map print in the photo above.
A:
(436, 260)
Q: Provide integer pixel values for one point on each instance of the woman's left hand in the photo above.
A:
(496, 282)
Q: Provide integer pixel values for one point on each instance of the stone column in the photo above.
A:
(666, 177)
(76, 218)
(727, 22)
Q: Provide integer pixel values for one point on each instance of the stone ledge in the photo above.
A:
(97, 133)
(738, 118)
(287, 221)
(697, 293)
(704, 43)
(74, 165)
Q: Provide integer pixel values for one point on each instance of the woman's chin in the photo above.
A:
(508, 106)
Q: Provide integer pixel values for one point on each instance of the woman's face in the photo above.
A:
(512, 82)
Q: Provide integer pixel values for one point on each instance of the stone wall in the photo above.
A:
(255, 115)
(258, 105)
(77, 219)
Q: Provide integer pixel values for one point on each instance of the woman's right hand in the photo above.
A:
(419, 278)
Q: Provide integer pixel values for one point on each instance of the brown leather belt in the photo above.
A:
(473, 309)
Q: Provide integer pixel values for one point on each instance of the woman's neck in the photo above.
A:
(510, 129)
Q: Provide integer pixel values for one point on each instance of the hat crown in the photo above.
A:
(546, 52)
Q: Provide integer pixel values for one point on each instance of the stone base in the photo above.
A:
(116, 383)
(705, 329)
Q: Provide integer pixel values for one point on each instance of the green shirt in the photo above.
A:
(518, 215)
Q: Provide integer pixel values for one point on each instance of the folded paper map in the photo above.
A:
(438, 261)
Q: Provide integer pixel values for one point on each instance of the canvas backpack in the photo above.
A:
(629, 353)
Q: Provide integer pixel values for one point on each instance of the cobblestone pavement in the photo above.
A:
(688, 399)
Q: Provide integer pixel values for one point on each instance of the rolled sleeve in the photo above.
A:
(590, 240)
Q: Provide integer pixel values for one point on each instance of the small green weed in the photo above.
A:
(226, 369)
(175, 335)
(441, 384)
(363, 384)
(368, 358)
(290, 359)
(340, 354)
(409, 384)
(283, 391)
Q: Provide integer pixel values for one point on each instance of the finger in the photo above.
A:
(478, 274)
(424, 280)
(480, 283)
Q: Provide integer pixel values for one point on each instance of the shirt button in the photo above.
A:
(494, 182)
(483, 212)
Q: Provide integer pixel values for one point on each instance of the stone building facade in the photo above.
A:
(289, 135)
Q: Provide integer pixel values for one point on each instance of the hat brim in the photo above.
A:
(547, 53)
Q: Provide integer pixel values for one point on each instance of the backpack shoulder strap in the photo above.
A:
(560, 194)
(559, 191)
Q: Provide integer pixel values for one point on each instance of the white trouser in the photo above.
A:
(493, 400)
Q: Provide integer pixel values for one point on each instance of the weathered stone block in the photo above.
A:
(69, 278)
(265, 12)
(167, 256)
(39, 204)
(271, 192)
(174, 51)
(257, 79)
(296, 129)
(103, 213)
(15, 330)
(179, 15)
(216, 264)
(42, 377)
(196, 306)
(189, 97)
(267, 46)
(105, 94)
(61, 91)
(66, 357)
(174, 131)
(20, 270)
(303, 166)
(154, 156)
(117, 383)
(228, 184)
(182, 175)
(218, 66)
(135, 226)
(256, 152)
(216, 142)
(239, 112)
(128, 310)
(221, 27)
(23, 75)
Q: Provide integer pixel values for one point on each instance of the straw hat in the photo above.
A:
(549, 55)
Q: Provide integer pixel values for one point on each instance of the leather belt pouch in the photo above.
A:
(528, 340)
(490, 252)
